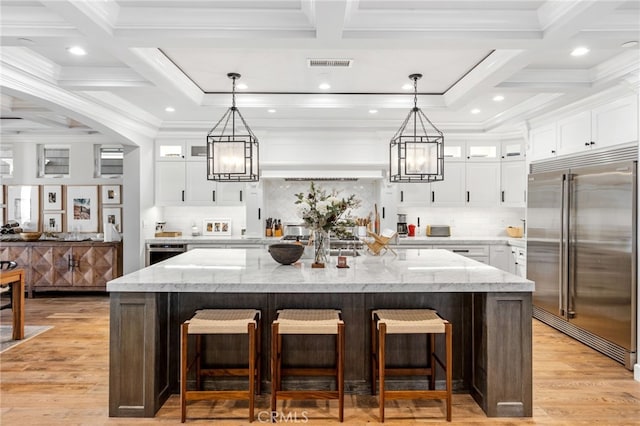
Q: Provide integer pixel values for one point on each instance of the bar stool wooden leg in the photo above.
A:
(258, 355)
(374, 356)
(183, 372)
(432, 351)
(382, 332)
(198, 362)
(340, 377)
(275, 374)
(448, 369)
(251, 330)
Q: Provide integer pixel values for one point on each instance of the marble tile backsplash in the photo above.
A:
(279, 202)
(279, 196)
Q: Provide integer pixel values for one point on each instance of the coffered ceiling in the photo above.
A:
(144, 56)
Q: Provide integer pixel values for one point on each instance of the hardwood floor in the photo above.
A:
(61, 378)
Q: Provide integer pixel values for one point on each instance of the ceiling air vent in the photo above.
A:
(331, 63)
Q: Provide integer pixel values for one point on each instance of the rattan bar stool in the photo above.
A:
(307, 321)
(410, 321)
(220, 321)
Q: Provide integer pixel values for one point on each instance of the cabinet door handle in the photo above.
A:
(592, 143)
(213, 195)
(460, 250)
(383, 212)
(587, 144)
(553, 151)
(467, 196)
(183, 195)
(402, 196)
(502, 196)
(433, 196)
(259, 213)
(241, 195)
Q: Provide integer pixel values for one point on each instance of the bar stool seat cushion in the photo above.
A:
(222, 321)
(410, 321)
(308, 321)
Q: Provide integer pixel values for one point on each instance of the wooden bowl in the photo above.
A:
(286, 253)
(514, 232)
(30, 236)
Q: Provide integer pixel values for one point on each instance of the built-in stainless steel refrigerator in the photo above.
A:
(581, 249)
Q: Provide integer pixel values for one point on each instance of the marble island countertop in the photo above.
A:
(254, 271)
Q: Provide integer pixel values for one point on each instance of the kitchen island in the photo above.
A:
(490, 311)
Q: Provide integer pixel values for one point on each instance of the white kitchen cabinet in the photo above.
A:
(196, 150)
(574, 133)
(451, 191)
(170, 150)
(512, 149)
(198, 190)
(483, 150)
(185, 183)
(500, 256)
(170, 183)
(513, 184)
(476, 252)
(482, 183)
(455, 150)
(615, 123)
(542, 142)
(254, 209)
(519, 261)
(414, 194)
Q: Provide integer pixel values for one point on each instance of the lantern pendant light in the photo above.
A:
(417, 148)
(232, 148)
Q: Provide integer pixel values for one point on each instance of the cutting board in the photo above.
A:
(168, 234)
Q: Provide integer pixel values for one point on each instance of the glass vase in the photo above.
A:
(321, 246)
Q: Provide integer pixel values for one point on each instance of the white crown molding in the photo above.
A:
(95, 138)
(617, 67)
(102, 13)
(520, 111)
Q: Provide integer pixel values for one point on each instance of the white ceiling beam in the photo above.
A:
(330, 18)
(85, 19)
(562, 19)
(123, 127)
(84, 78)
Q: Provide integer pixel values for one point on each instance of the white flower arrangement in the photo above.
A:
(322, 210)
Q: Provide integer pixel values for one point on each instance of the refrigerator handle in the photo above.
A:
(563, 261)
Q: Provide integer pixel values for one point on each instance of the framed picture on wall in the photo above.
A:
(23, 206)
(52, 222)
(82, 208)
(52, 197)
(111, 194)
(216, 227)
(112, 215)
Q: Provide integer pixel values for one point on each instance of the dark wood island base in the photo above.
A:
(491, 343)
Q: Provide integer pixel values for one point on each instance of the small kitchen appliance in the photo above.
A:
(402, 229)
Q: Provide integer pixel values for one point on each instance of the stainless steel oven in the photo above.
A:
(157, 252)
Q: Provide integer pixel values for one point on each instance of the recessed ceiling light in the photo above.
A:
(407, 86)
(77, 50)
(271, 110)
(242, 86)
(580, 51)
(373, 111)
(324, 86)
(498, 98)
(475, 111)
(170, 109)
(632, 43)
